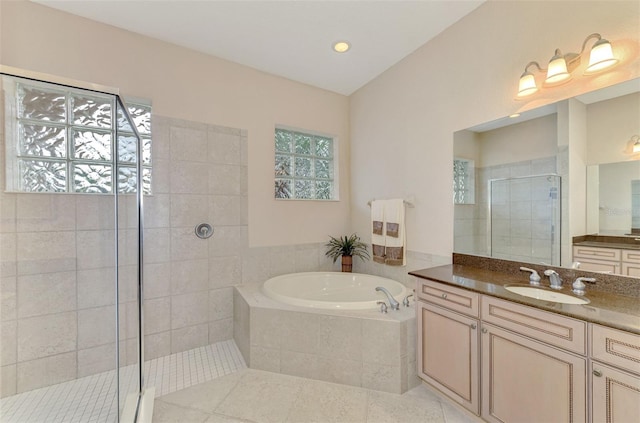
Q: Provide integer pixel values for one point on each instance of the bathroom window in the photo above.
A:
(463, 181)
(61, 139)
(304, 166)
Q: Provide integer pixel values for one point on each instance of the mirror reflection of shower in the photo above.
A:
(523, 219)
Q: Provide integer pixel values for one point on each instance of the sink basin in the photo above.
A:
(545, 295)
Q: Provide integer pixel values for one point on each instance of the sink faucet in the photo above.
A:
(392, 301)
(554, 279)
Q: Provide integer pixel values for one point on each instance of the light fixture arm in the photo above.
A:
(537, 65)
(595, 35)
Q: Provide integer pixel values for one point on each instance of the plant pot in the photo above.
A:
(347, 263)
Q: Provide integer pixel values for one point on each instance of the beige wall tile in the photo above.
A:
(189, 337)
(189, 177)
(161, 148)
(188, 144)
(220, 304)
(46, 371)
(185, 245)
(95, 212)
(161, 176)
(96, 360)
(46, 294)
(9, 337)
(157, 280)
(335, 370)
(189, 276)
(267, 359)
(229, 240)
(44, 252)
(267, 327)
(47, 335)
(7, 212)
(381, 342)
(299, 364)
(220, 330)
(157, 244)
(96, 287)
(96, 249)
(224, 210)
(96, 326)
(8, 300)
(225, 179)
(301, 332)
(189, 210)
(225, 271)
(127, 283)
(224, 148)
(189, 309)
(381, 377)
(340, 337)
(157, 315)
(157, 210)
(8, 256)
(45, 212)
(157, 345)
(8, 380)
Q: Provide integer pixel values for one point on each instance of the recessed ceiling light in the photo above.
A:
(341, 46)
(515, 115)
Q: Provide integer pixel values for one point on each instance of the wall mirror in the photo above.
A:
(551, 174)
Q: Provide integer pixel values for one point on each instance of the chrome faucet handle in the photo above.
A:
(579, 286)
(554, 279)
(395, 305)
(406, 302)
(534, 278)
(383, 306)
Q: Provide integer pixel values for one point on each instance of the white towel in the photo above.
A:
(377, 230)
(395, 235)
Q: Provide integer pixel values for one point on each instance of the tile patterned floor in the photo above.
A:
(93, 398)
(257, 396)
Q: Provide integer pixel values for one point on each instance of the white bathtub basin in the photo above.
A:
(332, 290)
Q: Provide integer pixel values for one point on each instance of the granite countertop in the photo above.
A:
(631, 242)
(608, 309)
(605, 244)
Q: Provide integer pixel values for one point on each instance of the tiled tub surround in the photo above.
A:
(362, 348)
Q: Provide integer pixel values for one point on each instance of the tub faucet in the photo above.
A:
(554, 279)
(383, 306)
(392, 301)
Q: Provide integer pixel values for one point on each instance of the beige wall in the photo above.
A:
(188, 85)
(402, 123)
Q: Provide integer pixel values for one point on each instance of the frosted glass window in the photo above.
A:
(463, 181)
(304, 166)
(63, 139)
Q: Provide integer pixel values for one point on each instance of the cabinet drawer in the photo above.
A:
(551, 328)
(631, 256)
(593, 265)
(630, 269)
(460, 300)
(595, 252)
(618, 348)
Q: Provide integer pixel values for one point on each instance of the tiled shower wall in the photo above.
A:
(522, 230)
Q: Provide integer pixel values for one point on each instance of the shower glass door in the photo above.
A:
(524, 223)
(70, 248)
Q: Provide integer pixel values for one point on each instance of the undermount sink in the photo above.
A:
(545, 295)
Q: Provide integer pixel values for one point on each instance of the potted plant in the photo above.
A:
(346, 247)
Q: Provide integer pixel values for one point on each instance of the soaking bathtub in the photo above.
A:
(332, 290)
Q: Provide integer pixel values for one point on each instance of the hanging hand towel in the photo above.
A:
(394, 233)
(377, 231)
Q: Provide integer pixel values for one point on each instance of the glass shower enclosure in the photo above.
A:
(71, 251)
(524, 219)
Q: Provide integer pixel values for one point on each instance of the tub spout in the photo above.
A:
(392, 301)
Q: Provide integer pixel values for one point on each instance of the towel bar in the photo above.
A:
(406, 203)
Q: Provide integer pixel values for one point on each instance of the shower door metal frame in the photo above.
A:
(489, 211)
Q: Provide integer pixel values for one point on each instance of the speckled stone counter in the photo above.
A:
(608, 241)
(608, 309)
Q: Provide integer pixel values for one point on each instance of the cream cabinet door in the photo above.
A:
(448, 353)
(615, 396)
(526, 381)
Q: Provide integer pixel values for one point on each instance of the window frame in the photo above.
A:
(334, 164)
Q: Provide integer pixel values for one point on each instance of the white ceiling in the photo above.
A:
(291, 39)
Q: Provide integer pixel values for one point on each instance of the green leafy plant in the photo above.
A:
(346, 246)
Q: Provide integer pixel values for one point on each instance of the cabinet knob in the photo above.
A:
(597, 373)
(484, 330)
(472, 326)
(444, 296)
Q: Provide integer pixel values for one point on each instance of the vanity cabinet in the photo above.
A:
(524, 367)
(448, 341)
(610, 260)
(615, 375)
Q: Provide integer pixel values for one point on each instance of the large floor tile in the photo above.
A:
(327, 402)
(390, 408)
(261, 397)
(164, 412)
(205, 396)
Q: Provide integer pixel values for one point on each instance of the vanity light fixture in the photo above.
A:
(341, 46)
(561, 65)
(636, 143)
